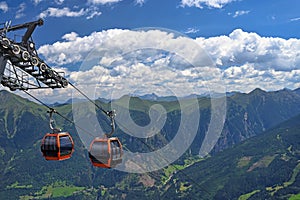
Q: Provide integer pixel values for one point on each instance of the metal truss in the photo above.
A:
(21, 67)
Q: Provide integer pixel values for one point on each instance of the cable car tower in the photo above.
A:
(20, 66)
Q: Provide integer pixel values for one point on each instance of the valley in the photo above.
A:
(256, 156)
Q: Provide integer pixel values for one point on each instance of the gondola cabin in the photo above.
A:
(106, 152)
(57, 146)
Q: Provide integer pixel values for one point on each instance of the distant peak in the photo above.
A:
(284, 90)
(257, 91)
(4, 92)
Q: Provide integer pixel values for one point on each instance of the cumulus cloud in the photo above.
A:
(250, 61)
(242, 47)
(75, 49)
(3, 6)
(247, 77)
(133, 62)
(125, 63)
(70, 36)
(209, 3)
(139, 79)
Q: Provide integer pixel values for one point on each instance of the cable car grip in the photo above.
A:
(111, 114)
(51, 121)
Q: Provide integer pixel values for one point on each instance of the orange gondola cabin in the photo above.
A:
(106, 152)
(57, 146)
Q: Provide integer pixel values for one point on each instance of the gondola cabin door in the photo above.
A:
(57, 146)
(106, 152)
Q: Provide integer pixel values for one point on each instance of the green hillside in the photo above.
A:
(253, 113)
(24, 170)
(263, 167)
(26, 175)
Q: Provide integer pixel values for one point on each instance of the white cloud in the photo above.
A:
(103, 1)
(191, 30)
(295, 19)
(242, 47)
(250, 61)
(3, 6)
(125, 63)
(70, 36)
(20, 12)
(36, 2)
(59, 2)
(247, 77)
(139, 2)
(244, 60)
(64, 12)
(209, 3)
(92, 12)
(239, 13)
(75, 49)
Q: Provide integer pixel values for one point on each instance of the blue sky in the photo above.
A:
(253, 43)
(276, 18)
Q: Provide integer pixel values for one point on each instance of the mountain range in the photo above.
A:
(255, 157)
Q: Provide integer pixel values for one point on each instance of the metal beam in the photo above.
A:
(3, 62)
(23, 56)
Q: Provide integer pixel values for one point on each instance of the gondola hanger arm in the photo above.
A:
(111, 114)
(51, 121)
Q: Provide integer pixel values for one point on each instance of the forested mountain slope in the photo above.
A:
(263, 167)
(25, 172)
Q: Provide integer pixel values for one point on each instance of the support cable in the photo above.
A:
(113, 125)
(111, 114)
(99, 107)
(52, 109)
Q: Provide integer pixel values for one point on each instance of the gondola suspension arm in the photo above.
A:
(51, 121)
(111, 115)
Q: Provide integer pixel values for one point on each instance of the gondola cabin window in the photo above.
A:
(57, 146)
(105, 152)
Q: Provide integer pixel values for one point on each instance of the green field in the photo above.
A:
(58, 189)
